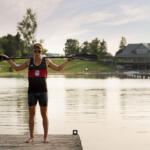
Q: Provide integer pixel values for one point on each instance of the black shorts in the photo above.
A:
(42, 98)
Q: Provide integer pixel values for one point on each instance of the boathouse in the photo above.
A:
(134, 56)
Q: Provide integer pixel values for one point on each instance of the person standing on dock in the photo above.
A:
(37, 90)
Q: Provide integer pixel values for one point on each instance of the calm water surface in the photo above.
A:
(110, 113)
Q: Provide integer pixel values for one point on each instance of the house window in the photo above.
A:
(141, 51)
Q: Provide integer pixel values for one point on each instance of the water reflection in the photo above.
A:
(13, 109)
(86, 103)
(90, 76)
(109, 113)
(133, 101)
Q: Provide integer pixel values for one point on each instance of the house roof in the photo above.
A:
(136, 50)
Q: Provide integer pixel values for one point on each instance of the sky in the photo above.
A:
(83, 20)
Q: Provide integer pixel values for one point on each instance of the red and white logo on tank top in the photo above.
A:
(37, 73)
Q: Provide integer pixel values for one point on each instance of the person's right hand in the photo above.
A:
(5, 57)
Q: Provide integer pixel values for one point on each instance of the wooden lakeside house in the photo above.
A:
(134, 56)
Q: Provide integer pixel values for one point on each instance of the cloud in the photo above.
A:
(129, 14)
(42, 7)
(94, 17)
(88, 24)
(61, 28)
(12, 12)
(76, 24)
(80, 19)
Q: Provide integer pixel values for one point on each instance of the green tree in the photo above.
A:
(123, 43)
(11, 45)
(27, 29)
(1, 49)
(84, 49)
(20, 44)
(103, 49)
(95, 47)
(71, 47)
(122, 46)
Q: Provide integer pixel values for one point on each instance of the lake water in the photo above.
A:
(109, 113)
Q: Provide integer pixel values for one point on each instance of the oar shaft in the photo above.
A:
(80, 56)
(45, 57)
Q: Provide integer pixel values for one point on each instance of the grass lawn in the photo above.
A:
(76, 66)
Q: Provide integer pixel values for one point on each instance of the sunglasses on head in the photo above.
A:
(37, 51)
(37, 46)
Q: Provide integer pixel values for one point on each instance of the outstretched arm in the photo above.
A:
(53, 66)
(14, 66)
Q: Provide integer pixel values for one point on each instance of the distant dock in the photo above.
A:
(135, 75)
(56, 142)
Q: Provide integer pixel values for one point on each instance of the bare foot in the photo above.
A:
(46, 140)
(30, 140)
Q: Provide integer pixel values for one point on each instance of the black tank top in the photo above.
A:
(37, 77)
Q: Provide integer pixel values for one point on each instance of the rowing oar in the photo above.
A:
(80, 56)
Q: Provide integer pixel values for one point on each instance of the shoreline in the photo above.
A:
(61, 73)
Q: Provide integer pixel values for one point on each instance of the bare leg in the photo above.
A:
(45, 122)
(31, 123)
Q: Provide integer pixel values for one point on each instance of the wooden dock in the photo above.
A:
(134, 75)
(56, 142)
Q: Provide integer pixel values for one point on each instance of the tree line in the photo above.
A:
(21, 43)
(95, 47)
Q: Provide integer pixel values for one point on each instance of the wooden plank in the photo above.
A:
(56, 142)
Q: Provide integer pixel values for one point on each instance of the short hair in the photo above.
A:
(38, 45)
